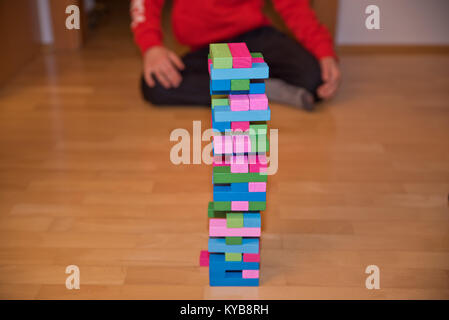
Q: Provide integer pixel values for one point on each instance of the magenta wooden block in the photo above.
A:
(257, 60)
(209, 63)
(257, 168)
(239, 164)
(242, 143)
(218, 228)
(239, 102)
(257, 186)
(240, 125)
(251, 257)
(239, 205)
(257, 163)
(241, 57)
(258, 101)
(204, 258)
(250, 274)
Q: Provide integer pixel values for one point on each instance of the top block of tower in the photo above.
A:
(221, 56)
(241, 58)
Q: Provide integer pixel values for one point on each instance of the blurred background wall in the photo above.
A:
(402, 22)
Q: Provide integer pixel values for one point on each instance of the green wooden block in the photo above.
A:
(257, 205)
(237, 177)
(226, 206)
(233, 256)
(212, 213)
(221, 56)
(234, 220)
(221, 169)
(258, 143)
(219, 102)
(253, 137)
(210, 210)
(240, 85)
(259, 128)
(256, 55)
(233, 240)
(268, 145)
(222, 205)
(262, 143)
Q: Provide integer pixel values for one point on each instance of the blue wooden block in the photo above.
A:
(251, 220)
(224, 114)
(218, 263)
(231, 279)
(249, 245)
(229, 273)
(212, 92)
(220, 85)
(256, 88)
(239, 187)
(219, 92)
(220, 126)
(239, 92)
(258, 71)
(224, 193)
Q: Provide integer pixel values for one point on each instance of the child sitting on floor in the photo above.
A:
(301, 72)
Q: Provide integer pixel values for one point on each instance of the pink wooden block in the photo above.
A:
(250, 274)
(218, 142)
(242, 143)
(239, 164)
(209, 63)
(204, 258)
(240, 125)
(258, 101)
(241, 57)
(239, 168)
(251, 257)
(239, 205)
(218, 228)
(239, 102)
(223, 145)
(228, 144)
(257, 60)
(257, 186)
(239, 159)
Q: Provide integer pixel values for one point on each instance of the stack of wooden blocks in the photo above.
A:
(240, 113)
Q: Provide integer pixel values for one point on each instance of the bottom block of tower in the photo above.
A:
(230, 273)
(232, 279)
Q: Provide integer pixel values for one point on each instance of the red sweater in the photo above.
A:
(199, 22)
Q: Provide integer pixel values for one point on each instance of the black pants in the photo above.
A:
(287, 59)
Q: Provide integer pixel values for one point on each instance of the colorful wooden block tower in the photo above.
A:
(240, 113)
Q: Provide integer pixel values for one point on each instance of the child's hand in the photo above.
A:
(164, 64)
(330, 72)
